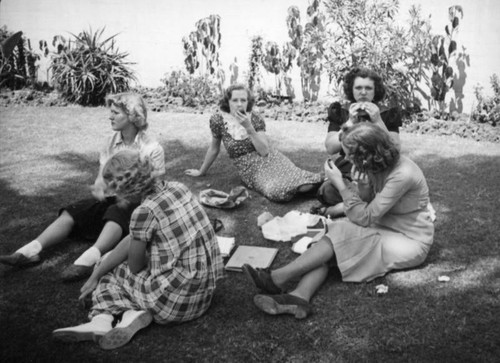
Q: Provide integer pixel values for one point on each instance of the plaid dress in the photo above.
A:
(184, 261)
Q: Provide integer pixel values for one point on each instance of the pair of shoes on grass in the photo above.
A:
(275, 301)
(70, 274)
(17, 259)
(100, 329)
(76, 273)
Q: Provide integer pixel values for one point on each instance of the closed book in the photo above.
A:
(257, 257)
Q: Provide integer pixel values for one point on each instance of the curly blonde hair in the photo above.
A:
(133, 105)
(129, 176)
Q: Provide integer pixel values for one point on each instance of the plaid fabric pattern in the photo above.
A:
(184, 261)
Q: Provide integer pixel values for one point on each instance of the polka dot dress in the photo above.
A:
(274, 175)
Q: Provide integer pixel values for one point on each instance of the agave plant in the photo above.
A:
(88, 68)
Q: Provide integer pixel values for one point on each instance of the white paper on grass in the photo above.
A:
(292, 224)
(226, 244)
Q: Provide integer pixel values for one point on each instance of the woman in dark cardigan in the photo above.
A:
(364, 90)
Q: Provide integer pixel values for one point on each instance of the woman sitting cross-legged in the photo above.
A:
(393, 230)
(260, 166)
(364, 91)
(165, 270)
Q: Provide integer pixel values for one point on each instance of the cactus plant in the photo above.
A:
(308, 41)
(443, 49)
(278, 61)
(255, 60)
(201, 47)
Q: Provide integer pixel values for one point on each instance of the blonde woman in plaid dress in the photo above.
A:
(165, 271)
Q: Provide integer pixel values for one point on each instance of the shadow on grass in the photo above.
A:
(419, 319)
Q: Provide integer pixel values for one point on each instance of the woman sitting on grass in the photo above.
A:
(393, 230)
(166, 270)
(364, 91)
(260, 166)
(98, 218)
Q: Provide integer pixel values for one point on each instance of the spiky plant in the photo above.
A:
(89, 68)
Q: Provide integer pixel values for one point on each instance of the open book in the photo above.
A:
(257, 257)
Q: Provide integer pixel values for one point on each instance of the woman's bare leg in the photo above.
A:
(310, 260)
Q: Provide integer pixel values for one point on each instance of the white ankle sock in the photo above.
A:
(31, 249)
(102, 321)
(89, 257)
(128, 317)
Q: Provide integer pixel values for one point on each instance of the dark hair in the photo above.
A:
(363, 73)
(371, 150)
(228, 93)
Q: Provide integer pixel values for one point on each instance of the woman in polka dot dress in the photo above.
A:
(261, 167)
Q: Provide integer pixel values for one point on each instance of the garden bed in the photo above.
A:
(292, 111)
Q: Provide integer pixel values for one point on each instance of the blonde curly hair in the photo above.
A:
(129, 177)
(133, 105)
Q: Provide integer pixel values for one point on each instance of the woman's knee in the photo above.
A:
(66, 217)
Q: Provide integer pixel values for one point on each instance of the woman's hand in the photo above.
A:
(88, 288)
(193, 172)
(243, 119)
(333, 174)
(358, 176)
(358, 108)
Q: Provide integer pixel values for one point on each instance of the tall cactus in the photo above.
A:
(443, 49)
(255, 60)
(309, 43)
(201, 47)
(278, 61)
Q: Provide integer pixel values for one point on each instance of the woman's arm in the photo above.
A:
(115, 257)
(157, 157)
(365, 213)
(210, 156)
(258, 138)
(259, 141)
(137, 256)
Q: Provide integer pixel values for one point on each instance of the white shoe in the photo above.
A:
(132, 322)
(94, 330)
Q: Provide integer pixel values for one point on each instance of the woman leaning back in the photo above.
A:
(98, 218)
(260, 166)
(394, 230)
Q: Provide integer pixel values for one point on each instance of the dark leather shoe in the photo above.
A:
(261, 279)
(76, 273)
(19, 260)
(283, 304)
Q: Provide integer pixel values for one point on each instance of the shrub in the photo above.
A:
(193, 90)
(444, 49)
(254, 62)
(18, 66)
(362, 33)
(88, 68)
(488, 108)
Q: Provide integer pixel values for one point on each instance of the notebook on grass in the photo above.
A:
(257, 257)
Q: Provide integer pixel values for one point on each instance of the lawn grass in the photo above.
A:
(49, 158)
